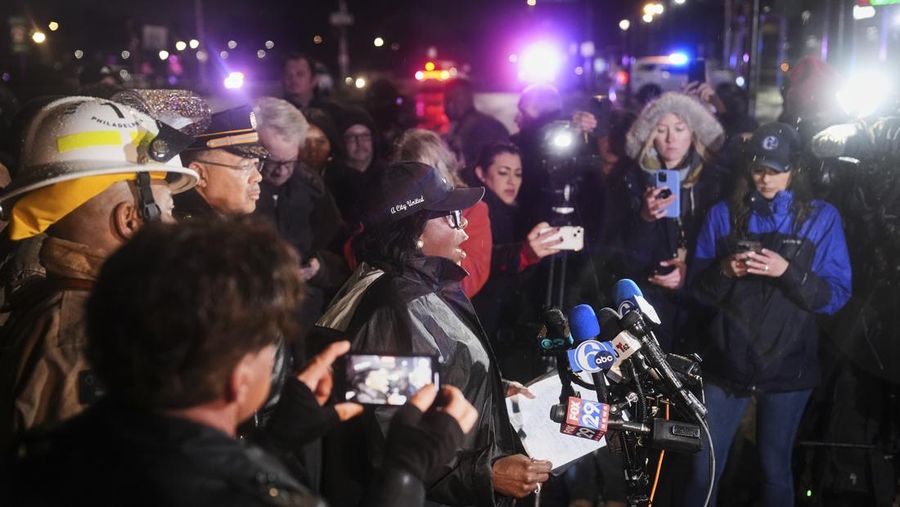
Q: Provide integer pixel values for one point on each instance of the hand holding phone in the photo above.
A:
(748, 245)
(569, 237)
(317, 376)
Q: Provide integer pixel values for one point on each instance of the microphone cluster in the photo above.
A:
(618, 348)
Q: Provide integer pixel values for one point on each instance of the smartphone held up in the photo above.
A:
(379, 379)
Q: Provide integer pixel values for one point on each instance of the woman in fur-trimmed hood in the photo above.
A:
(674, 132)
(707, 132)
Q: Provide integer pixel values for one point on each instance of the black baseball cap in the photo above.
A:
(232, 130)
(773, 146)
(406, 188)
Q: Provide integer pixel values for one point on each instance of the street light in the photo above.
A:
(163, 55)
(378, 42)
(624, 25)
(53, 26)
(531, 3)
(39, 37)
(194, 43)
(180, 45)
(647, 18)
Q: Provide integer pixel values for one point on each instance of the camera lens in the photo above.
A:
(662, 176)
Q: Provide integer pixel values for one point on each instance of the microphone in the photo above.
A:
(583, 322)
(590, 419)
(624, 344)
(628, 297)
(609, 323)
(590, 355)
(555, 338)
(687, 367)
(633, 322)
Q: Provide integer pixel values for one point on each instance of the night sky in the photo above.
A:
(479, 32)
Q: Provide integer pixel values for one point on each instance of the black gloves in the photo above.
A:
(421, 443)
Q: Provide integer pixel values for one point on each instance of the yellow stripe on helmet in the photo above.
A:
(95, 138)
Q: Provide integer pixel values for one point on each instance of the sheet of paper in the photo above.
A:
(541, 436)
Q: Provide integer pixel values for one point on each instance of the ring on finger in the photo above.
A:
(766, 268)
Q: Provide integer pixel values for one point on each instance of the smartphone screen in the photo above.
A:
(377, 379)
(746, 245)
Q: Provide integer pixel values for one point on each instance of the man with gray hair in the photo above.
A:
(297, 201)
(282, 129)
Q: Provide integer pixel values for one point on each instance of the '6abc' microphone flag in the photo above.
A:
(590, 355)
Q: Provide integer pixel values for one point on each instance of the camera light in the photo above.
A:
(864, 92)
(563, 139)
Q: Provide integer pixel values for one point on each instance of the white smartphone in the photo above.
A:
(572, 238)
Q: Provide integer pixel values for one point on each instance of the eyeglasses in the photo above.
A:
(357, 138)
(271, 164)
(456, 220)
(246, 168)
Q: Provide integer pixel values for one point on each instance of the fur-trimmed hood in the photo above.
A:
(706, 128)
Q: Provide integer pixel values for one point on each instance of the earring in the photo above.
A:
(420, 244)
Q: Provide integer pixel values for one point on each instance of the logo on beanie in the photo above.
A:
(770, 143)
(403, 206)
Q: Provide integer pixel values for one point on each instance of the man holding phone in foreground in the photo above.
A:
(183, 325)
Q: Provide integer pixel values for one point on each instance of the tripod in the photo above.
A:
(556, 276)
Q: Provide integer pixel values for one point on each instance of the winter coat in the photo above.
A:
(646, 244)
(478, 248)
(303, 210)
(306, 216)
(45, 375)
(420, 310)
(113, 455)
(765, 335)
(499, 303)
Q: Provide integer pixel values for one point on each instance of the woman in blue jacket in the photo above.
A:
(770, 260)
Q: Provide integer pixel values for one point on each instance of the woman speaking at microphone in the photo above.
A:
(405, 298)
(769, 260)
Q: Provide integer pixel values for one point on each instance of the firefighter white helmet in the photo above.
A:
(78, 137)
